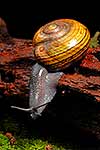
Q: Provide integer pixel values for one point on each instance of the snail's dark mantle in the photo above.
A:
(16, 60)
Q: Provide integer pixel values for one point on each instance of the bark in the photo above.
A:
(17, 58)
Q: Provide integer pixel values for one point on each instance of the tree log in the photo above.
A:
(17, 58)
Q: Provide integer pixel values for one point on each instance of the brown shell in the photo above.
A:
(60, 43)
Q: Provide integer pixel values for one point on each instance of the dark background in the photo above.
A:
(23, 18)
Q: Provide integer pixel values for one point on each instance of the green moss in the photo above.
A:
(26, 144)
(94, 42)
(4, 143)
(23, 140)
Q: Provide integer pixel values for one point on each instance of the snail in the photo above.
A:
(56, 46)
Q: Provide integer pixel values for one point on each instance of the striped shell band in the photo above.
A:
(60, 43)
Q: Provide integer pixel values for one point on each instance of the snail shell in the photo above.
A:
(60, 43)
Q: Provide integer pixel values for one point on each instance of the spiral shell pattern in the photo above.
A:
(60, 43)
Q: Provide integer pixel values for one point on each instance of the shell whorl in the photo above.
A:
(60, 43)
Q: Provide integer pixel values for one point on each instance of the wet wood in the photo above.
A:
(87, 80)
(16, 60)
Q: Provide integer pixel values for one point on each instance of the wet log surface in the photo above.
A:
(81, 87)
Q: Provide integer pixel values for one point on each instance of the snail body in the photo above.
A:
(56, 46)
(42, 90)
(60, 43)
